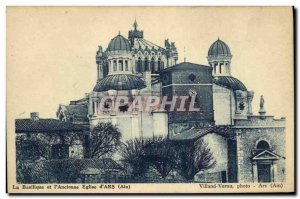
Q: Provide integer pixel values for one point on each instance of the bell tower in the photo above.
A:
(135, 33)
(102, 65)
(219, 58)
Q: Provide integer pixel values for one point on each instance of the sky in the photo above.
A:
(51, 50)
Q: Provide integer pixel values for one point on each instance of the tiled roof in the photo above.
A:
(81, 101)
(229, 82)
(78, 110)
(219, 48)
(186, 65)
(46, 125)
(143, 44)
(119, 82)
(195, 133)
(119, 43)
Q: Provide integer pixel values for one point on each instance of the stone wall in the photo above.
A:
(232, 160)
(249, 133)
(223, 102)
(180, 82)
(218, 145)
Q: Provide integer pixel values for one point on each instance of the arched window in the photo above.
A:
(146, 64)
(152, 65)
(264, 145)
(126, 65)
(159, 64)
(115, 65)
(120, 65)
(139, 65)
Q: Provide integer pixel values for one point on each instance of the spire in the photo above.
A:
(135, 24)
(135, 33)
(119, 32)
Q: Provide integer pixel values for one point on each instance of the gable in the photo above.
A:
(266, 155)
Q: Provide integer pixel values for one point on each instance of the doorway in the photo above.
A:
(264, 172)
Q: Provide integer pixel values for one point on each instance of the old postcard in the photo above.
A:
(150, 100)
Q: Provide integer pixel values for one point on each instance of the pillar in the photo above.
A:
(98, 108)
(94, 108)
(118, 65)
(249, 102)
(123, 61)
(90, 106)
(214, 67)
(254, 169)
(110, 66)
(228, 68)
(274, 172)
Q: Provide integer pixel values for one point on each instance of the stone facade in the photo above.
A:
(248, 134)
(223, 105)
(187, 79)
(217, 144)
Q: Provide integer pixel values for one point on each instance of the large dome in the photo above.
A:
(229, 82)
(219, 48)
(119, 82)
(119, 43)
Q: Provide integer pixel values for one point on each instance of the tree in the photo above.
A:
(193, 158)
(161, 154)
(62, 171)
(104, 139)
(31, 148)
(133, 156)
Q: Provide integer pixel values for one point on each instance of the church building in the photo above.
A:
(247, 147)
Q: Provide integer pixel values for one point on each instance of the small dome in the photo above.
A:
(229, 82)
(119, 82)
(219, 48)
(119, 43)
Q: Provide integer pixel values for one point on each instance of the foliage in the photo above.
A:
(38, 145)
(133, 156)
(161, 154)
(63, 171)
(193, 158)
(165, 155)
(104, 140)
(31, 148)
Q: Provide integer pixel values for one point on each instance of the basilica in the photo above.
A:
(248, 147)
